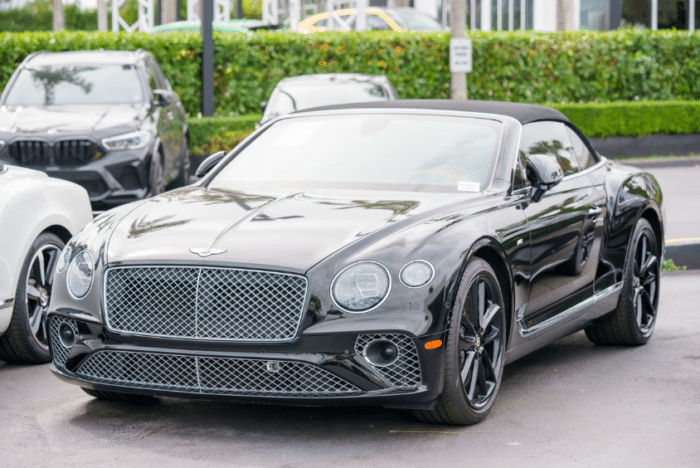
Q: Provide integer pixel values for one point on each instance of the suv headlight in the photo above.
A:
(80, 274)
(361, 287)
(132, 140)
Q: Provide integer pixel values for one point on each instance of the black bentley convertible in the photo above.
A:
(394, 253)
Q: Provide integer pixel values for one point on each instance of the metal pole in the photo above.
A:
(444, 13)
(691, 16)
(458, 22)
(239, 9)
(207, 58)
(472, 15)
(331, 21)
(361, 18)
(522, 14)
(511, 15)
(654, 15)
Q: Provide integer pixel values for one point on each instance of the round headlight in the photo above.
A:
(80, 274)
(361, 287)
(417, 274)
(64, 259)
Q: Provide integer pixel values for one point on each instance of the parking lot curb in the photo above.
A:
(685, 254)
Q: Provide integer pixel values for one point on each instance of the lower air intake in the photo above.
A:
(208, 375)
(58, 347)
(404, 372)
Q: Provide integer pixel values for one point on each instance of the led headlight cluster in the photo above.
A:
(81, 272)
(132, 140)
(363, 286)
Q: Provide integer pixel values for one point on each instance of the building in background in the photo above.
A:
(557, 15)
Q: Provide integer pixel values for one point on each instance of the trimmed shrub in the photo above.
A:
(564, 67)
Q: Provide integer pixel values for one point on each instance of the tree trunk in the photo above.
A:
(59, 21)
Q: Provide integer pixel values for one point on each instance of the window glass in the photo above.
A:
(76, 84)
(380, 149)
(550, 139)
(583, 154)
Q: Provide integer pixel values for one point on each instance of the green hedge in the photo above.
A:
(519, 66)
(211, 134)
(634, 118)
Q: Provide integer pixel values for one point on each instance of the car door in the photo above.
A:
(564, 242)
(170, 121)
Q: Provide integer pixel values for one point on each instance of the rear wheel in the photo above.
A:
(27, 337)
(633, 322)
(474, 352)
(141, 400)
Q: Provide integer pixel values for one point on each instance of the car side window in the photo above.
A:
(551, 139)
(583, 155)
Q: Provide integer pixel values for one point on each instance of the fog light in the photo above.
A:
(381, 353)
(67, 335)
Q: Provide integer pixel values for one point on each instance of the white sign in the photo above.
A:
(460, 55)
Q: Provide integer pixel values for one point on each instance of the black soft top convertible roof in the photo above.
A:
(524, 113)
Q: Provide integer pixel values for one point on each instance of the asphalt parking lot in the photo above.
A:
(571, 404)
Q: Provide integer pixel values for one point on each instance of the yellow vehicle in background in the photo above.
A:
(378, 19)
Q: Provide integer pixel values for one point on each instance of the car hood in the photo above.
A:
(68, 119)
(290, 230)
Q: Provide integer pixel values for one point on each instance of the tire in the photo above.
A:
(140, 400)
(474, 352)
(183, 178)
(634, 319)
(27, 338)
(156, 177)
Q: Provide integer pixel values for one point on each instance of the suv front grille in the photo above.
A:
(35, 153)
(204, 303)
(209, 375)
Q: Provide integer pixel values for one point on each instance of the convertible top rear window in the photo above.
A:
(376, 149)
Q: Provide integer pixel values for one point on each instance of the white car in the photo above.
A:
(38, 215)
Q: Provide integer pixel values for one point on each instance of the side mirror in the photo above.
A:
(209, 163)
(263, 106)
(543, 173)
(161, 97)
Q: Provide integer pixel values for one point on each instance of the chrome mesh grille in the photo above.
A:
(209, 375)
(204, 303)
(405, 371)
(60, 352)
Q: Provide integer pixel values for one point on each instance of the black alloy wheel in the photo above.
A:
(633, 322)
(27, 337)
(474, 351)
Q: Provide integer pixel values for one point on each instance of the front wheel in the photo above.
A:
(156, 177)
(633, 322)
(27, 337)
(474, 352)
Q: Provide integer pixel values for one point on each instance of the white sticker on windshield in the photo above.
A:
(463, 186)
(296, 133)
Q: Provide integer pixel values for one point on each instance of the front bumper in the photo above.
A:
(312, 370)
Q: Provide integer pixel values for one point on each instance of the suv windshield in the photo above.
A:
(376, 149)
(76, 84)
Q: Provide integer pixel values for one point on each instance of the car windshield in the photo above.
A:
(297, 97)
(413, 20)
(382, 151)
(76, 84)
